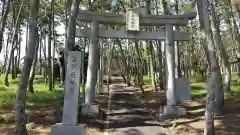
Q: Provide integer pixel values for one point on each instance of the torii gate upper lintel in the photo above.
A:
(149, 20)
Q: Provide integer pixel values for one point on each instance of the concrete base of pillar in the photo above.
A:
(90, 109)
(169, 112)
(59, 129)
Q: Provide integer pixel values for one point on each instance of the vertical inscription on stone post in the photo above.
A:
(70, 108)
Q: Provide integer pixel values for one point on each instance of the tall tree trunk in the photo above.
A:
(13, 60)
(161, 75)
(19, 51)
(40, 54)
(71, 31)
(50, 70)
(218, 43)
(15, 29)
(127, 68)
(53, 44)
(33, 69)
(152, 65)
(229, 11)
(4, 22)
(6, 54)
(27, 30)
(20, 116)
(214, 81)
(45, 57)
(139, 66)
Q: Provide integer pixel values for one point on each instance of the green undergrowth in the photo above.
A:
(198, 87)
(41, 93)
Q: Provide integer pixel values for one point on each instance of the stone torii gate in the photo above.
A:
(169, 35)
(133, 19)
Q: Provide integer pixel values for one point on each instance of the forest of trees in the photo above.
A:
(213, 53)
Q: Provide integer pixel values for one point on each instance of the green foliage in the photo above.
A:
(198, 87)
(41, 95)
(188, 8)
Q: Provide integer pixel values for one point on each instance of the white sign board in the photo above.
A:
(132, 19)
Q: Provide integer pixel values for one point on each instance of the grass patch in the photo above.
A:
(198, 86)
(147, 80)
(41, 94)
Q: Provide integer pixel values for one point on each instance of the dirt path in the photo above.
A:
(127, 116)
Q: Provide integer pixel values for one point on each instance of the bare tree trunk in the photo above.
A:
(6, 55)
(40, 54)
(139, 67)
(152, 64)
(20, 116)
(4, 22)
(13, 60)
(19, 51)
(50, 70)
(53, 44)
(27, 33)
(13, 45)
(161, 75)
(83, 67)
(214, 82)
(33, 69)
(218, 43)
(71, 31)
(126, 71)
(45, 57)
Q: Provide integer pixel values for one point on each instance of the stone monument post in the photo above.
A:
(69, 124)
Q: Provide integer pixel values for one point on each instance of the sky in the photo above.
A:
(60, 30)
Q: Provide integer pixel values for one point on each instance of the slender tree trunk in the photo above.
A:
(53, 44)
(127, 68)
(71, 29)
(152, 64)
(15, 29)
(20, 116)
(83, 66)
(27, 30)
(214, 82)
(40, 54)
(13, 60)
(218, 43)
(161, 75)
(6, 54)
(33, 69)
(45, 58)
(139, 66)
(4, 22)
(50, 70)
(19, 51)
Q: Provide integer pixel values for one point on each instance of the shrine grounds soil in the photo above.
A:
(44, 110)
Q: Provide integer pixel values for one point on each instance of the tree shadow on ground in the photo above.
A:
(229, 123)
(126, 111)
